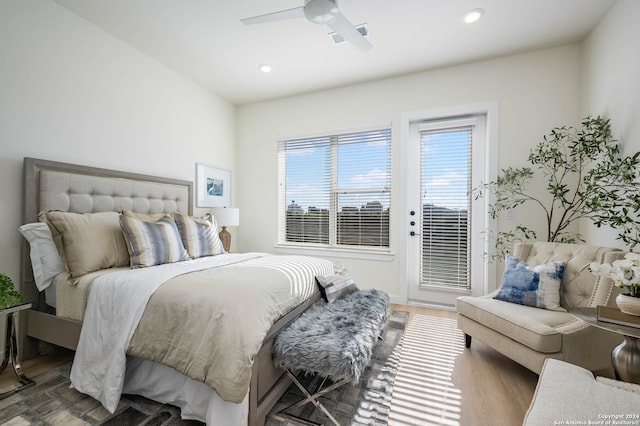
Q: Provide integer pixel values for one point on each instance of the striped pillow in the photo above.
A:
(152, 243)
(199, 235)
(333, 287)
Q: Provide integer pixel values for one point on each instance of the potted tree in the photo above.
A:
(586, 177)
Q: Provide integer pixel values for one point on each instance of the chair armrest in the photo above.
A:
(573, 326)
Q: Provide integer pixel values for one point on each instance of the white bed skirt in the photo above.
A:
(196, 400)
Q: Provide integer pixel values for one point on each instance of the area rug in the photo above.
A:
(53, 402)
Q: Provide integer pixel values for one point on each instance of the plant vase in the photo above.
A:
(628, 304)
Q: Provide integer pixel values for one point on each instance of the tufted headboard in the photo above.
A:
(51, 185)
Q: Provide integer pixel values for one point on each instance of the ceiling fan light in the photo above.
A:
(473, 15)
(320, 11)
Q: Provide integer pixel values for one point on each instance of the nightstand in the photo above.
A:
(9, 349)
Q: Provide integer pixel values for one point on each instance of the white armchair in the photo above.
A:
(529, 335)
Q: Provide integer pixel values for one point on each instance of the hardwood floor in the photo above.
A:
(33, 367)
(476, 386)
(442, 385)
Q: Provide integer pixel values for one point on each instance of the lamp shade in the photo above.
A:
(227, 216)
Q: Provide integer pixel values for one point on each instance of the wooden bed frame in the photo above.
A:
(268, 383)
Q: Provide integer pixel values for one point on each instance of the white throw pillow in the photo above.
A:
(45, 260)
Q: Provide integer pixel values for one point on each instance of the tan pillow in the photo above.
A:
(88, 242)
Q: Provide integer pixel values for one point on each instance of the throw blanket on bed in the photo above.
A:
(239, 304)
(118, 303)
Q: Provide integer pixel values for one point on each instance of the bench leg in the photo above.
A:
(312, 399)
(467, 340)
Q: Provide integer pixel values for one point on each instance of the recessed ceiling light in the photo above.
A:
(473, 15)
(265, 68)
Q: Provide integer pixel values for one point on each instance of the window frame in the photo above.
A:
(488, 276)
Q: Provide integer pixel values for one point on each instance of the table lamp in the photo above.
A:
(226, 217)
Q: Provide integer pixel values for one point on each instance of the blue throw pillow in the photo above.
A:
(537, 286)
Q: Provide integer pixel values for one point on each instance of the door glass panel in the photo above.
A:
(445, 187)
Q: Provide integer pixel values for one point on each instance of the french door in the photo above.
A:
(447, 157)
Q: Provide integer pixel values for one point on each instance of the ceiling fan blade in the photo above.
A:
(296, 12)
(342, 26)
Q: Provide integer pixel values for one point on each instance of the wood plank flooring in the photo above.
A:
(33, 367)
(482, 387)
(452, 385)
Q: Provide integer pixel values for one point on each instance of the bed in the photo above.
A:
(66, 303)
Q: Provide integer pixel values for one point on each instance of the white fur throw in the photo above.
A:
(334, 340)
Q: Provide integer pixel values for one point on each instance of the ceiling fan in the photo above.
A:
(319, 12)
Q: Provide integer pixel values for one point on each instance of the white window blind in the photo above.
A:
(335, 190)
(446, 204)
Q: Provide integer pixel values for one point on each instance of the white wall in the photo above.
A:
(70, 92)
(535, 91)
(611, 86)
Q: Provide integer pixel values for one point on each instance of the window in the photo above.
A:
(446, 201)
(335, 189)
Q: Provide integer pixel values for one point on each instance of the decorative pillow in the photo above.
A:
(333, 287)
(147, 217)
(199, 235)
(87, 242)
(537, 286)
(152, 243)
(45, 260)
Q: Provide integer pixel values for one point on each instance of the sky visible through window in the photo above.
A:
(306, 175)
(445, 169)
(445, 172)
(361, 165)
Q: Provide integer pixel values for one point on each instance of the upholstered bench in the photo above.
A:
(333, 340)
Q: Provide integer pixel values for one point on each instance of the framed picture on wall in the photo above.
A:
(213, 187)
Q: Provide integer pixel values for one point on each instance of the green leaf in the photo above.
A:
(8, 294)
(586, 177)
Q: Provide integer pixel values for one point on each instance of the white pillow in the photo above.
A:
(45, 260)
